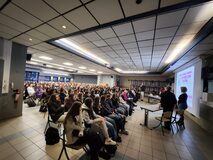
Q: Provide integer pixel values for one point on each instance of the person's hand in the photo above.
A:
(80, 134)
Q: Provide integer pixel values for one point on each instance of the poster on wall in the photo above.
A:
(61, 79)
(31, 76)
(185, 78)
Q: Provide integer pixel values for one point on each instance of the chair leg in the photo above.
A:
(66, 153)
(46, 127)
(62, 150)
(172, 129)
(162, 128)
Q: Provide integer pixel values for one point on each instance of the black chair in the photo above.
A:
(49, 121)
(64, 146)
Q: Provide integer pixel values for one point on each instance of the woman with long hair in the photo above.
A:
(90, 118)
(69, 101)
(76, 133)
(55, 109)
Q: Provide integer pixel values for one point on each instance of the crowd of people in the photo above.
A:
(83, 108)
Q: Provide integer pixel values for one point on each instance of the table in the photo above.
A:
(149, 108)
(153, 97)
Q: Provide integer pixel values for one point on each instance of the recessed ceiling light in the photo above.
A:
(30, 39)
(82, 67)
(68, 64)
(64, 26)
(100, 72)
(92, 70)
(45, 57)
(61, 68)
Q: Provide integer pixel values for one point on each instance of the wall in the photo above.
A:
(125, 80)
(85, 79)
(105, 79)
(17, 69)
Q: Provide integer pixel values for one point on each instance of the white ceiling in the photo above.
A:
(141, 44)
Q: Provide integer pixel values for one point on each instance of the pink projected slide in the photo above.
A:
(186, 78)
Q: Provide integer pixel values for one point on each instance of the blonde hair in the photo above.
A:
(183, 89)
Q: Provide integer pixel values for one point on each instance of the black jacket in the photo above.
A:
(55, 111)
(168, 101)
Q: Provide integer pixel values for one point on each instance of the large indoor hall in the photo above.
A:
(106, 79)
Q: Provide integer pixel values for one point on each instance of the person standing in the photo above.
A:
(143, 88)
(182, 104)
(168, 101)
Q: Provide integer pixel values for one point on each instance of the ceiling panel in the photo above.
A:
(146, 43)
(38, 35)
(146, 24)
(63, 6)
(112, 41)
(92, 36)
(166, 32)
(38, 9)
(99, 43)
(22, 16)
(160, 48)
(130, 45)
(170, 19)
(13, 23)
(5, 35)
(27, 37)
(106, 33)
(127, 38)
(81, 18)
(162, 41)
(192, 28)
(88, 45)
(145, 35)
(57, 23)
(8, 30)
(117, 47)
(123, 29)
(194, 13)
(105, 11)
(165, 3)
(79, 39)
(131, 8)
(180, 39)
(22, 41)
(48, 30)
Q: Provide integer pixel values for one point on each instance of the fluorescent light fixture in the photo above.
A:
(64, 26)
(61, 68)
(178, 49)
(118, 69)
(99, 72)
(55, 73)
(92, 70)
(130, 72)
(45, 58)
(67, 63)
(82, 67)
(30, 62)
(50, 66)
(69, 44)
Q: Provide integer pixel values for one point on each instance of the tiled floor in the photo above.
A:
(23, 138)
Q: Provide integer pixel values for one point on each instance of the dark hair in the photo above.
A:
(88, 102)
(69, 101)
(74, 111)
(108, 96)
(52, 99)
(96, 103)
(80, 97)
(103, 99)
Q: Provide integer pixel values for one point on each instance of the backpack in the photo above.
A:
(52, 136)
(111, 149)
(43, 108)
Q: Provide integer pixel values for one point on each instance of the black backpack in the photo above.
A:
(111, 149)
(52, 136)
